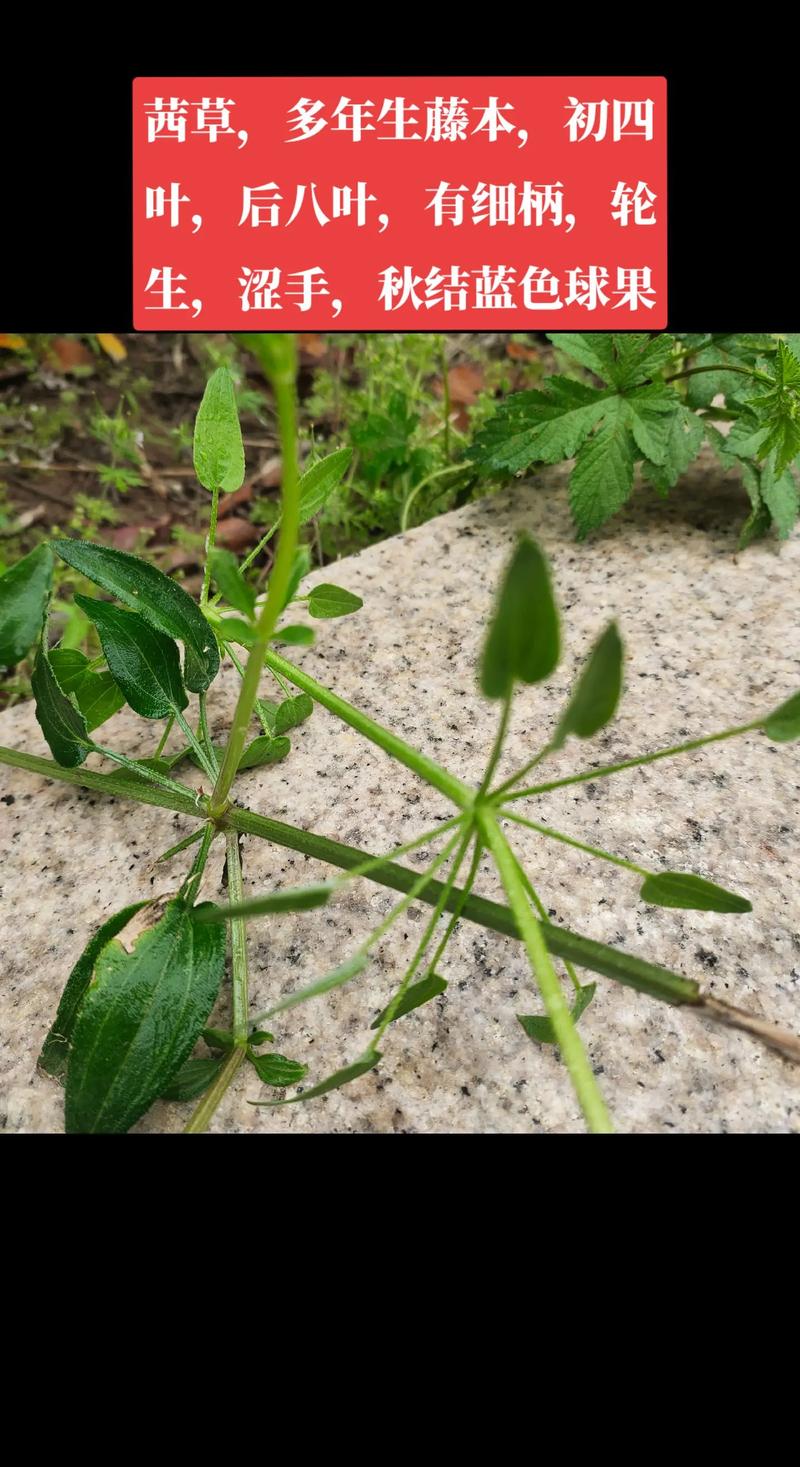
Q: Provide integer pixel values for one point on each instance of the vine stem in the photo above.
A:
(284, 386)
(210, 538)
(718, 367)
(569, 1041)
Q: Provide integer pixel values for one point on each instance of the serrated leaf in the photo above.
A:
(705, 386)
(294, 635)
(218, 449)
(537, 426)
(143, 662)
(24, 594)
(264, 750)
(293, 711)
(276, 1070)
(318, 483)
(55, 1050)
(333, 1082)
(193, 1078)
(162, 602)
(523, 641)
(602, 478)
(62, 724)
(594, 701)
(334, 979)
(541, 1029)
(417, 994)
(230, 581)
(684, 435)
(591, 349)
(783, 723)
(650, 419)
(140, 1019)
(287, 899)
(682, 889)
(327, 601)
(779, 494)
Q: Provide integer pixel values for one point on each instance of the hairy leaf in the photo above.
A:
(523, 641)
(62, 724)
(193, 1078)
(143, 662)
(275, 1069)
(417, 994)
(24, 594)
(602, 478)
(318, 483)
(595, 699)
(218, 449)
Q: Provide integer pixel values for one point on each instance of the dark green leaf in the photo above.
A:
(143, 662)
(779, 494)
(318, 483)
(334, 979)
(162, 602)
(541, 1029)
(301, 565)
(523, 641)
(327, 601)
(98, 697)
(596, 696)
(218, 450)
(70, 668)
(293, 711)
(333, 1082)
(141, 1017)
(268, 712)
(63, 726)
(294, 635)
(539, 427)
(275, 1069)
(218, 1038)
(55, 1050)
(230, 581)
(289, 899)
(264, 750)
(681, 889)
(683, 439)
(193, 1078)
(24, 594)
(260, 1036)
(783, 724)
(418, 993)
(602, 478)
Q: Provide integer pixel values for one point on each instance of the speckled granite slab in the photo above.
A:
(711, 639)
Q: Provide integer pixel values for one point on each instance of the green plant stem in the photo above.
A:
(606, 769)
(239, 668)
(719, 367)
(520, 774)
(542, 911)
(200, 1118)
(579, 845)
(182, 845)
(284, 387)
(165, 735)
(391, 743)
(497, 747)
(239, 967)
(265, 539)
(205, 734)
(210, 538)
(569, 1041)
(447, 406)
(151, 775)
(195, 876)
(423, 483)
(458, 908)
(189, 733)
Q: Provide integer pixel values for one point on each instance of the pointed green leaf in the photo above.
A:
(293, 711)
(24, 594)
(264, 750)
(62, 724)
(541, 1029)
(318, 483)
(602, 478)
(98, 698)
(218, 1038)
(333, 1082)
(260, 1036)
(162, 602)
(594, 701)
(301, 565)
(682, 889)
(218, 449)
(230, 581)
(779, 494)
(140, 1019)
(783, 724)
(55, 1050)
(143, 662)
(275, 1069)
(193, 1078)
(334, 979)
(419, 993)
(288, 899)
(327, 601)
(294, 635)
(70, 668)
(523, 641)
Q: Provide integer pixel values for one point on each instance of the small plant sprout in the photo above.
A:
(131, 1017)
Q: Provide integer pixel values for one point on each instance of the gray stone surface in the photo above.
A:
(711, 639)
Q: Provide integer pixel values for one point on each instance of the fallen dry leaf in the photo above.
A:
(311, 344)
(229, 502)
(466, 384)
(112, 346)
(10, 342)
(66, 355)
(235, 533)
(518, 352)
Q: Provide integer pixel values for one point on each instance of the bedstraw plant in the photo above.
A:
(131, 1016)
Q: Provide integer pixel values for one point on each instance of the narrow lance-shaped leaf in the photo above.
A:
(595, 698)
(334, 979)
(327, 601)
(419, 993)
(162, 602)
(24, 594)
(523, 641)
(230, 581)
(318, 483)
(682, 889)
(62, 724)
(141, 1017)
(541, 1029)
(289, 899)
(193, 1078)
(335, 1081)
(144, 663)
(55, 1050)
(218, 449)
(783, 724)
